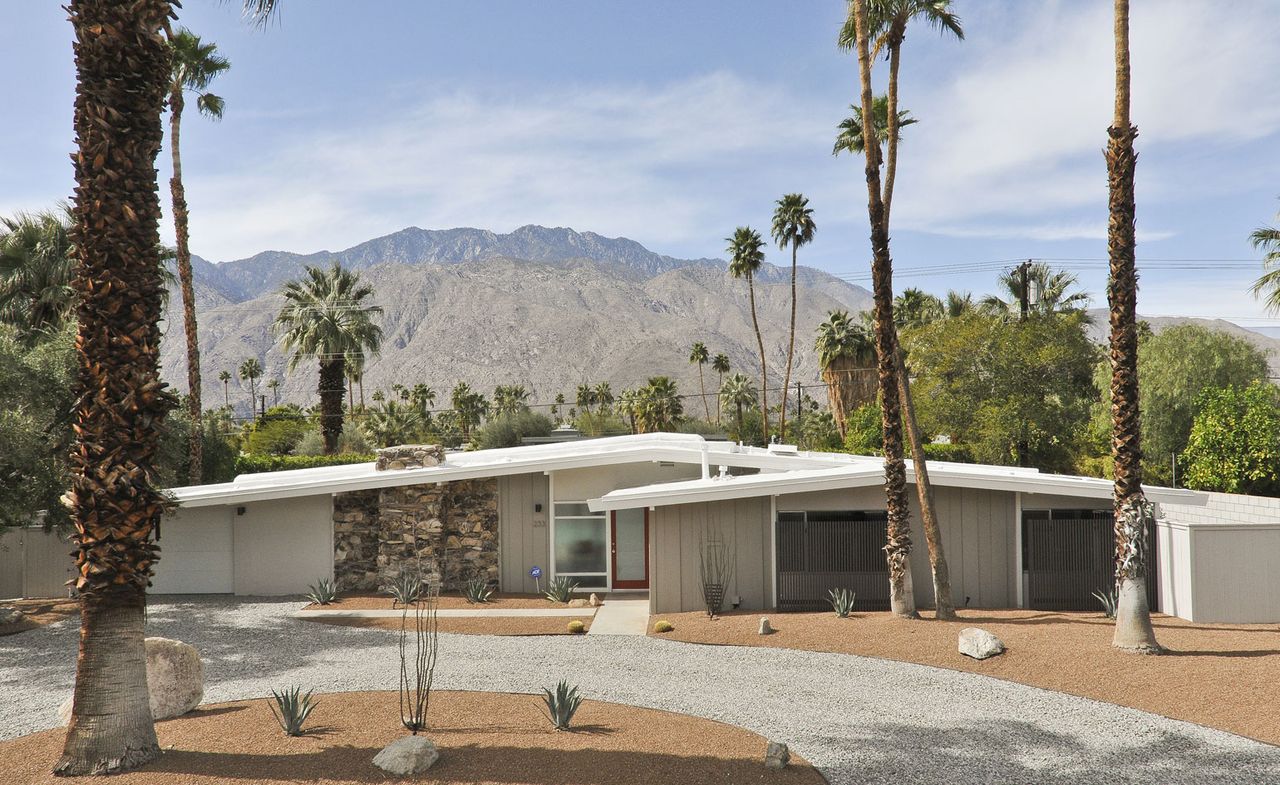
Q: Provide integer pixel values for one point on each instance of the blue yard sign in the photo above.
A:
(536, 573)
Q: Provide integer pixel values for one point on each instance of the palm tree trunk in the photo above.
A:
(943, 605)
(791, 350)
(122, 65)
(1133, 632)
(194, 407)
(837, 393)
(702, 384)
(332, 373)
(891, 127)
(898, 547)
(720, 386)
(360, 384)
(226, 394)
(764, 374)
(739, 421)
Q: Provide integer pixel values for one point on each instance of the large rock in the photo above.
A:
(979, 644)
(407, 756)
(12, 616)
(175, 679)
(765, 627)
(776, 755)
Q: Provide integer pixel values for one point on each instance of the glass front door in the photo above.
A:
(631, 549)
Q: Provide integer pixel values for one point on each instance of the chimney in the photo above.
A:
(409, 456)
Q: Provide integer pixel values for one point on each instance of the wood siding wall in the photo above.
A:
(675, 535)
(35, 563)
(523, 534)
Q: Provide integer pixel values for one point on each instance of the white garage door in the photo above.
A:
(195, 553)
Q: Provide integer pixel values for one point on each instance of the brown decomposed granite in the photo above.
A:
(484, 738)
(471, 625)
(39, 612)
(1225, 676)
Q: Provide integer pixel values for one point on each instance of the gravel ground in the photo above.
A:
(859, 720)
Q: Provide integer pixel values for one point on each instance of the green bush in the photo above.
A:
(477, 590)
(278, 431)
(509, 429)
(252, 464)
(955, 453)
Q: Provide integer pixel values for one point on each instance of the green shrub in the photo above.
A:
(477, 590)
(662, 625)
(252, 464)
(291, 709)
(955, 453)
(278, 431)
(560, 589)
(561, 704)
(323, 592)
(509, 429)
(842, 601)
(577, 627)
(1109, 600)
(405, 589)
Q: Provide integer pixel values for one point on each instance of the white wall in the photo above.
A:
(1173, 570)
(195, 552)
(284, 546)
(591, 483)
(1234, 573)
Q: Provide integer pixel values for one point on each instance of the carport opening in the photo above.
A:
(1068, 554)
(823, 550)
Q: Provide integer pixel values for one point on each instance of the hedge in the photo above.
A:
(252, 464)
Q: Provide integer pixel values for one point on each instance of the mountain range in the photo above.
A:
(548, 308)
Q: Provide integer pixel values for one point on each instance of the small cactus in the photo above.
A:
(577, 627)
(663, 625)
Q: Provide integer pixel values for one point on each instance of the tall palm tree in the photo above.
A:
(719, 364)
(659, 405)
(586, 395)
(122, 62)
(509, 399)
(746, 255)
(391, 423)
(469, 406)
(916, 308)
(957, 304)
(602, 394)
(629, 407)
(737, 391)
(1046, 290)
(327, 317)
(846, 355)
(792, 225)
(1133, 632)
(194, 65)
(888, 21)
(251, 371)
(1267, 239)
(37, 265)
(898, 547)
(225, 378)
(274, 387)
(699, 355)
(849, 139)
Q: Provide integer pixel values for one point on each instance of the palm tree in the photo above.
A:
(274, 387)
(586, 395)
(193, 67)
(888, 21)
(1267, 238)
(957, 304)
(469, 406)
(846, 355)
(603, 395)
(1133, 632)
(659, 405)
(37, 265)
(737, 391)
(719, 364)
(699, 354)
(326, 317)
(849, 140)
(916, 308)
(225, 378)
(509, 399)
(251, 371)
(122, 62)
(898, 547)
(792, 225)
(746, 255)
(354, 372)
(629, 406)
(1046, 291)
(391, 423)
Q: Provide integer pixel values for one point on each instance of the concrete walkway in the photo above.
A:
(454, 613)
(619, 616)
(861, 721)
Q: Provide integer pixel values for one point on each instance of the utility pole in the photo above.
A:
(1024, 295)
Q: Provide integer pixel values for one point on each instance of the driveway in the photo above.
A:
(859, 720)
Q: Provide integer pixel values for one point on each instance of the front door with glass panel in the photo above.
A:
(631, 549)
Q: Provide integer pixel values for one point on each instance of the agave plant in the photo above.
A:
(561, 704)
(405, 589)
(842, 601)
(1109, 601)
(291, 708)
(560, 589)
(323, 592)
(478, 590)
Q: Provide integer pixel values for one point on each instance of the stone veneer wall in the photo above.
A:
(451, 527)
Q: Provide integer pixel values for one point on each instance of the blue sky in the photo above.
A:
(672, 122)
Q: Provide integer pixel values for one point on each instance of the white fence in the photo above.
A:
(34, 563)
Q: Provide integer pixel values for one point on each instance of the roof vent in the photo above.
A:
(784, 449)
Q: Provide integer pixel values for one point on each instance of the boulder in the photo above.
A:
(407, 756)
(175, 679)
(13, 615)
(595, 600)
(765, 627)
(578, 602)
(979, 644)
(776, 755)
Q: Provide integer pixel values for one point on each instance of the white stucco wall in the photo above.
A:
(1173, 558)
(195, 552)
(591, 483)
(284, 546)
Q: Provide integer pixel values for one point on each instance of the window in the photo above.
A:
(581, 544)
